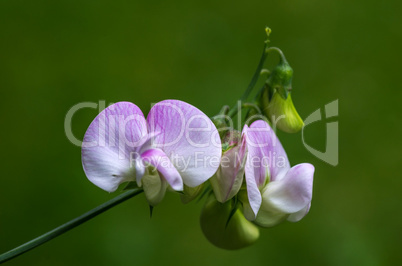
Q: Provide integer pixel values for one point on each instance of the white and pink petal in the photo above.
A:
(188, 137)
(227, 181)
(109, 141)
(263, 142)
(158, 159)
(293, 192)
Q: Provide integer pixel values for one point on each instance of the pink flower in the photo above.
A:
(273, 191)
(176, 145)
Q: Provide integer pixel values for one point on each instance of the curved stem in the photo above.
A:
(235, 109)
(69, 225)
(252, 106)
(279, 51)
(222, 113)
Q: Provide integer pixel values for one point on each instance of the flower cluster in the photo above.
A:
(246, 175)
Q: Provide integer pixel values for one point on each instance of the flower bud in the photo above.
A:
(281, 112)
(225, 229)
(280, 79)
(226, 182)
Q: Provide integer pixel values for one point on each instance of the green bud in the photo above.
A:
(281, 112)
(226, 231)
(280, 79)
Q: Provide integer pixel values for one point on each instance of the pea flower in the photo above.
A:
(175, 146)
(275, 191)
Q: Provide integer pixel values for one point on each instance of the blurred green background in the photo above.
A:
(55, 54)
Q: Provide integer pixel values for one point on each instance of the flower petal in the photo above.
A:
(268, 216)
(162, 163)
(257, 147)
(189, 139)
(293, 192)
(228, 179)
(297, 216)
(154, 186)
(109, 142)
(252, 173)
(265, 145)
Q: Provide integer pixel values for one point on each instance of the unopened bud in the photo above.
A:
(281, 112)
(226, 182)
(280, 79)
(225, 229)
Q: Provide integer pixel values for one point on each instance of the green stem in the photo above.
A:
(282, 58)
(256, 73)
(68, 226)
(253, 81)
(251, 106)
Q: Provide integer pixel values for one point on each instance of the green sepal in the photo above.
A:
(151, 210)
(190, 193)
(207, 190)
(280, 79)
(233, 211)
(131, 185)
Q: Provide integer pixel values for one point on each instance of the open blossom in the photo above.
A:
(274, 191)
(175, 145)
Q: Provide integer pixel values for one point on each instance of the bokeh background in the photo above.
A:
(55, 54)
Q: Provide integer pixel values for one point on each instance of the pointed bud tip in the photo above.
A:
(268, 31)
